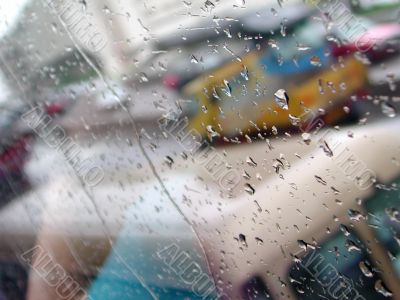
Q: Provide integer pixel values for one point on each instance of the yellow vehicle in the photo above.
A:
(238, 97)
(234, 106)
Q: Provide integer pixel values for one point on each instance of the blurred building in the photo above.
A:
(121, 36)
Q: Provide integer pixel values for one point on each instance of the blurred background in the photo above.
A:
(218, 149)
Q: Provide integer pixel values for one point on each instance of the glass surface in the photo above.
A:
(202, 150)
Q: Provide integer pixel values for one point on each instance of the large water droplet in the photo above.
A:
(282, 99)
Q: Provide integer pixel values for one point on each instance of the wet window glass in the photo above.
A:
(211, 149)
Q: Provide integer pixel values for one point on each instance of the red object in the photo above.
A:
(13, 158)
(55, 108)
(171, 81)
(375, 36)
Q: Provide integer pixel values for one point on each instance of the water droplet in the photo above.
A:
(351, 246)
(315, 61)
(328, 151)
(259, 209)
(355, 215)
(302, 47)
(283, 29)
(228, 89)
(246, 175)
(306, 138)
(282, 99)
(304, 245)
(336, 192)
(184, 156)
(294, 120)
(193, 59)
(245, 73)
(397, 239)
(211, 131)
(296, 259)
(273, 43)
(382, 289)
(251, 162)
(321, 87)
(366, 269)
(278, 165)
(388, 110)
(129, 142)
(249, 188)
(228, 33)
(299, 289)
(242, 240)
(248, 138)
(106, 10)
(320, 180)
(259, 241)
(209, 5)
(54, 27)
(169, 161)
(143, 77)
(393, 214)
(344, 229)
